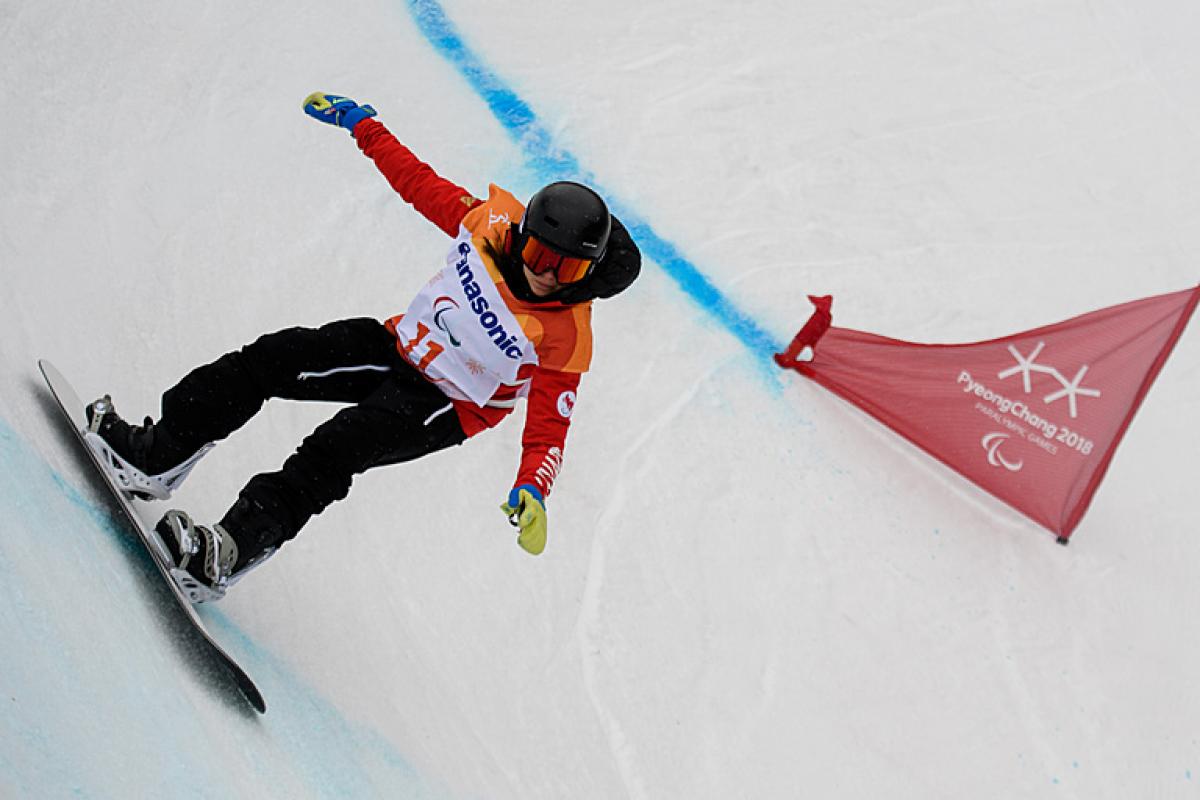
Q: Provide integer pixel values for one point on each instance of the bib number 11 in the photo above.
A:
(432, 349)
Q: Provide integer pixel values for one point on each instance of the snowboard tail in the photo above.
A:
(73, 409)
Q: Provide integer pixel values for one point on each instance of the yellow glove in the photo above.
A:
(526, 509)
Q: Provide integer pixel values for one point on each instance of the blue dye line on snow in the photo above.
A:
(550, 162)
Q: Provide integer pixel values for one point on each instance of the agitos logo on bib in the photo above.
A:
(1033, 418)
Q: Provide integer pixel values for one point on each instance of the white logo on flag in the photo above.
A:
(991, 442)
(1070, 389)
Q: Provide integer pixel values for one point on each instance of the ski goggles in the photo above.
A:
(540, 259)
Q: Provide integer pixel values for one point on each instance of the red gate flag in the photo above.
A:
(1033, 418)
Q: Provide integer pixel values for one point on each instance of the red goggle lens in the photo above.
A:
(541, 259)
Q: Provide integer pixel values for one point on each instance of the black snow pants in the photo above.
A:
(395, 415)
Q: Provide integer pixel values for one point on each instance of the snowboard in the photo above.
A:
(73, 409)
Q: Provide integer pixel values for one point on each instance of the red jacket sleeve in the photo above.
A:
(547, 418)
(442, 202)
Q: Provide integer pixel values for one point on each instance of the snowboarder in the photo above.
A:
(507, 316)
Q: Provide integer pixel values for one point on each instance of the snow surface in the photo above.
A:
(750, 589)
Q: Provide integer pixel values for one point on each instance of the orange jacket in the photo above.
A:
(557, 338)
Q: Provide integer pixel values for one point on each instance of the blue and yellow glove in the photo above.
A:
(526, 509)
(336, 110)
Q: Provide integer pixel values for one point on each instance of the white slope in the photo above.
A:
(750, 590)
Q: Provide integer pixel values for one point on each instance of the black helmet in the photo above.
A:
(572, 219)
(569, 217)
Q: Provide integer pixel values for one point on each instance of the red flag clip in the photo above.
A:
(809, 335)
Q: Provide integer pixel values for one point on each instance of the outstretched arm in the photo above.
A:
(442, 202)
(547, 419)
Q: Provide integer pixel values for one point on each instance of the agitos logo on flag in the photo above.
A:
(1034, 418)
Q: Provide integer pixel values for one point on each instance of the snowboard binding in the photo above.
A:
(118, 445)
(200, 559)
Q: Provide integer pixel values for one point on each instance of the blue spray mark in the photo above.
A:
(550, 162)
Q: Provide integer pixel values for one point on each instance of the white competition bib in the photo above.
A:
(460, 333)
